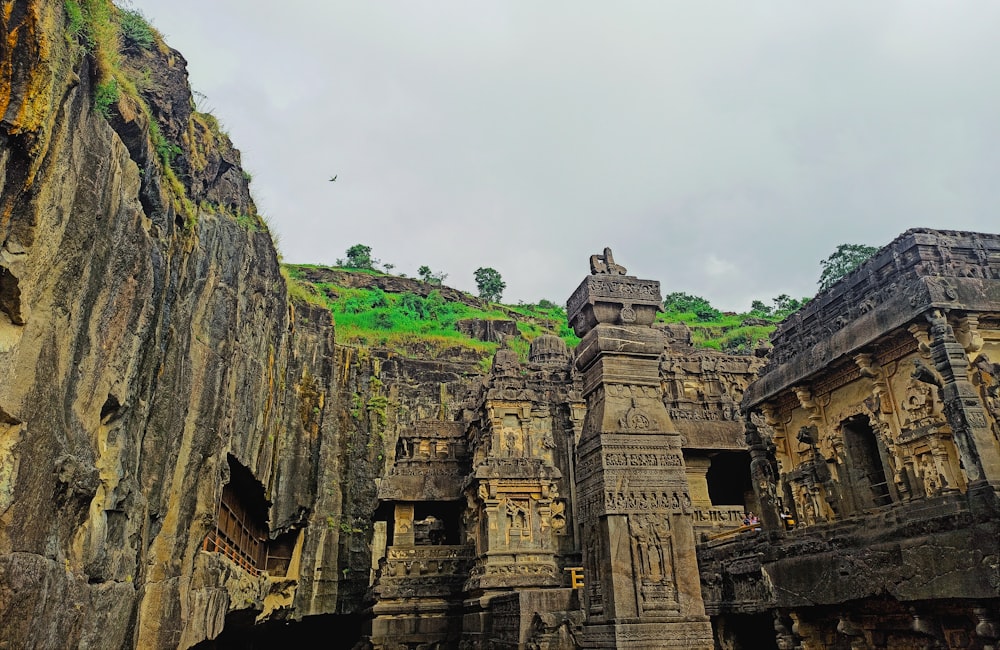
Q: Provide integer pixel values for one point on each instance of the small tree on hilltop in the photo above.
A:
(760, 310)
(490, 284)
(430, 277)
(842, 261)
(359, 256)
(680, 303)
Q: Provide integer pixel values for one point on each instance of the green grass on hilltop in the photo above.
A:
(726, 333)
(414, 325)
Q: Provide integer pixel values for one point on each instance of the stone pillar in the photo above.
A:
(962, 407)
(696, 469)
(641, 574)
(762, 475)
(402, 530)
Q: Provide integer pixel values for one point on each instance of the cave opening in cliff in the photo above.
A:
(729, 478)
(241, 531)
(10, 296)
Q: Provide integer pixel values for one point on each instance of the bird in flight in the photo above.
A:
(334, 178)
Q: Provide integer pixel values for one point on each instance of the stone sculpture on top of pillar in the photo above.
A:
(641, 576)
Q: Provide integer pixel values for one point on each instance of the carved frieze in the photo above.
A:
(919, 270)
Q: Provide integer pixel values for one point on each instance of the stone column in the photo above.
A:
(963, 408)
(762, 475)
(642, 585)
(402, 531)
(697, 476)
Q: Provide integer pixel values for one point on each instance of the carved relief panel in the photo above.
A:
(652, 561)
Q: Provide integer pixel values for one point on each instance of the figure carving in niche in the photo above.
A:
(662, 542)
(605, 264)
(517, 513)
(987, 376)
(806, 438)
(559, 517)
(647, 548)
(470, 518)
(810, 510)
(595, 595)
(547, 441)
(929, 474)
(512, 444)
(805, 504)
(919, 401)
(402, 448)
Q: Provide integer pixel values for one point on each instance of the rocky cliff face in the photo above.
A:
(145, 340)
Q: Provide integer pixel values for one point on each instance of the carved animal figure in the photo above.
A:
(605, 264)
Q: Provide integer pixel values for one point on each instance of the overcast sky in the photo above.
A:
(721, 148)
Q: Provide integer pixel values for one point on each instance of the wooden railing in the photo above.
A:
(734, 532)
(216, 542)
(237, 537)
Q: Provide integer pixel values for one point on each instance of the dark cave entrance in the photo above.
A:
(867, 483)
(333, 631)
(729, 478)
(437, 522)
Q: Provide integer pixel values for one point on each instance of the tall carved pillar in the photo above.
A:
(641, 574)
(762, 475)
(962, 406)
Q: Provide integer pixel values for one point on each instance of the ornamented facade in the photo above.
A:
(874, 426)
(869, 445)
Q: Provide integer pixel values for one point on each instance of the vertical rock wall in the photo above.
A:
(137, 351)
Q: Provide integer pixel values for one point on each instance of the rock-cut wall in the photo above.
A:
(142, 344)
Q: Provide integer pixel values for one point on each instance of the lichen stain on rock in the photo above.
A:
(142, 356)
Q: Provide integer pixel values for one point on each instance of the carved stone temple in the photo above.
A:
(875, 427)
(194, 455)
(602, 466)
(595, 499)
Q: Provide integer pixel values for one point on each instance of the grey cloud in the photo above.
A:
(525, 136)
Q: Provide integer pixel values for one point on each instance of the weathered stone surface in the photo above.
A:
(135, 356)
(492, 331)
(874, 428)
(638, 541)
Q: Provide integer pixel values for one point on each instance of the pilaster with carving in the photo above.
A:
(642, 586)
(962, 406)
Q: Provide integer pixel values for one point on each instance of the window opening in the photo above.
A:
(436, 523)
(729, 479)
(241, 522)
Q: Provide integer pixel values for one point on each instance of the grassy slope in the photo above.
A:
(727, 333)
(424, 326)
